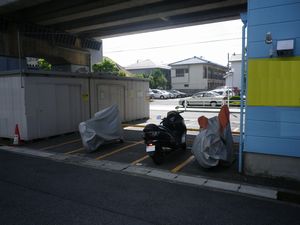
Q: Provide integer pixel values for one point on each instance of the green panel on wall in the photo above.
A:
(274, 82)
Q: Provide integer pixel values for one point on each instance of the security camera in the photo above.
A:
(268, 39)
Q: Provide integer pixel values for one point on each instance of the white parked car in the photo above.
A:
(224, 92)
(151, 94)
(170, 95)
(160, 94)
(203, 98)
(178, 94)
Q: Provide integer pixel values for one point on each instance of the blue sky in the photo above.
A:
(212, 41)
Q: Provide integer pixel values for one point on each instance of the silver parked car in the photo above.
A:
(160, 94)
(178, 94)
(224, 92)
(150, 93)
(203, 98)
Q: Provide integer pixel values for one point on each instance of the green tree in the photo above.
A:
(159, 80)
(147, 76)
(140, 75)
(44, 65)
(121, 73)
(156, 79)
(106, 66)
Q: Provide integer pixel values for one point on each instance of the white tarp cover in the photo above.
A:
(104, 127)
(212, 144)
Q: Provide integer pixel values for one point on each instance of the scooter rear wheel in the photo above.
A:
(158, 156)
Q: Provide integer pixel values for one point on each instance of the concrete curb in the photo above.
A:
(251, 190)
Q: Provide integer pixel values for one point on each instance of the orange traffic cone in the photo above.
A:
(17, 138)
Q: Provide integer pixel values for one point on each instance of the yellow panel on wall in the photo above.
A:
(274, 82)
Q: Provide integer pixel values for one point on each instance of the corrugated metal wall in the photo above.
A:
(55, 105)
(273, 98)
(50, 104)
(12, 106)
(130, 94)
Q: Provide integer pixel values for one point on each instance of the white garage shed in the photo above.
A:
(45, 104)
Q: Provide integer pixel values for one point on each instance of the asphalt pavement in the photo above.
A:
(42, 191)
(160, 107)
(53, 181)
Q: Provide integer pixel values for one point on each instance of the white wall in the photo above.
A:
(96, 56)
(236, 67)
(194, 79)
(179, 82)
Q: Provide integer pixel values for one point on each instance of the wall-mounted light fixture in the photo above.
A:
(269, 41)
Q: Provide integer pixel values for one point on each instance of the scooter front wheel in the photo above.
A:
(158, 156)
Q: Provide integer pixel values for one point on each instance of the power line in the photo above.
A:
(175, 45)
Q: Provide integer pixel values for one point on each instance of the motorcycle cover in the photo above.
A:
(104, 127)
(214, 141)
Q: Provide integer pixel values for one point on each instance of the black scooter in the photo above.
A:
(161, 139)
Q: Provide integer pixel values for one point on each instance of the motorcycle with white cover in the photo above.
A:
(104, 128)
(214, 141)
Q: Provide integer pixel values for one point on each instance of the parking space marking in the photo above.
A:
(183, 164)
(61, 144)
(140, 160)
(74, 151)
(119, 150)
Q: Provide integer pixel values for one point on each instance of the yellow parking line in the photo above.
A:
(140, 160)
(183, 164)
(118, 150)
(61, 144)
(74, 151)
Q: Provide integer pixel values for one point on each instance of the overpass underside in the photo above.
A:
(63, 32)
(95, 18)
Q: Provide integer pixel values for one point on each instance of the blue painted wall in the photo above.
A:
(280, 17)
(10, 63)
(272, 129)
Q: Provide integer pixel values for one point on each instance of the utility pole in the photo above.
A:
(228, 61)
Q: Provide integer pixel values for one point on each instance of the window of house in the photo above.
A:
(205, 73)
(186, 85)
(181, 72)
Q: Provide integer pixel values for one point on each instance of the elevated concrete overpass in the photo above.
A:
(105, 18)
(63, 32)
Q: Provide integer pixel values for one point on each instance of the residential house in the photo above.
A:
(196, 74)
(147, 67)
(233, 77)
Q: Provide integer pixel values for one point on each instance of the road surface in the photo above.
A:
(159, 109)
(35, 191)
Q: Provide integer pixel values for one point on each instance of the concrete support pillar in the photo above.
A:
(64, 52)
(96, 56)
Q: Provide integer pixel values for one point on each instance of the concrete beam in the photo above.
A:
(141, 15)
(93, 18)
(76, 13)
(7, 6)
(173, 22)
